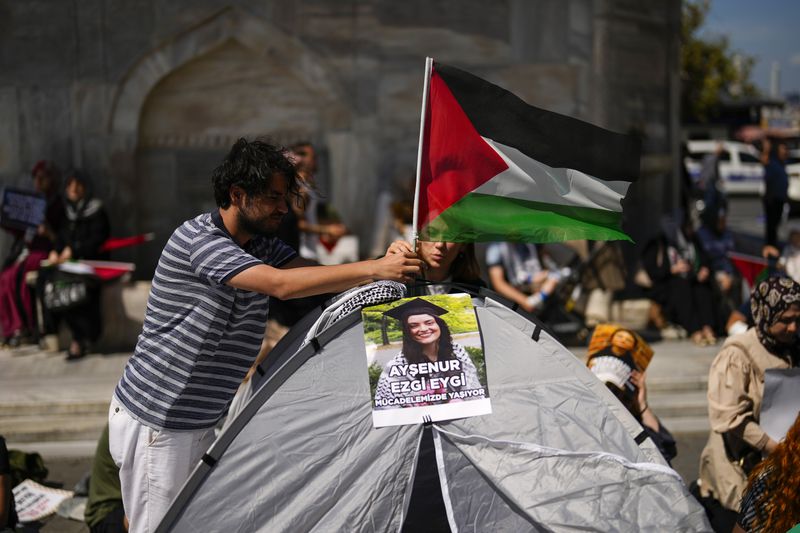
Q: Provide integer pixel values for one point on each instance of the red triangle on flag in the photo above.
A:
(749, 266)
(455, 159)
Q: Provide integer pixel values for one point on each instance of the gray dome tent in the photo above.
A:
(558, 452)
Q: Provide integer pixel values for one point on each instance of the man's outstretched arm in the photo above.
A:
(295, 281)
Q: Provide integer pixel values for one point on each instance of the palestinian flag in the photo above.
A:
(494, 168)
(752, 268)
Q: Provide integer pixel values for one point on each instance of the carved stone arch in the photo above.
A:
(157, 153)
(259, 35)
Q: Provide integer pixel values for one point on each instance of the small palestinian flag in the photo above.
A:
(494, 168)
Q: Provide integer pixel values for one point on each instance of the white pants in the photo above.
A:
(153, 465)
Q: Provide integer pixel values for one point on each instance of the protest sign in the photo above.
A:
(34, 501)
(425, 360)
(22, 209)
(781, 402)
(614, 352)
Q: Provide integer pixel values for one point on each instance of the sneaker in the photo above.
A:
(673, 332)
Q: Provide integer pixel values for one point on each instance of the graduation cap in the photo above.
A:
(417, 306)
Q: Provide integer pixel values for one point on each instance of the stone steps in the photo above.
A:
(686, 424)
(682, 409)
(677, 383)
(84, 407)
(63, 427)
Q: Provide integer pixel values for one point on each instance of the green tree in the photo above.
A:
(710, 70)
(374, 370)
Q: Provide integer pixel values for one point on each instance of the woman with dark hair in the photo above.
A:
(429, 351)
(616, 366)
(445, 262)
(772, 499)
(85, 231)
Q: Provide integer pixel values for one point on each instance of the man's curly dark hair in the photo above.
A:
(251, 165)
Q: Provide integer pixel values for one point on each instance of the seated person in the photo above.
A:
(737, 441)
(104, 512)
(680, 274)
(614, 361)
(717, 242)
(17, 306)
(516, 272)
(85, 231)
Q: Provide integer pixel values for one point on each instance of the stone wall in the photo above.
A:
(147, 95)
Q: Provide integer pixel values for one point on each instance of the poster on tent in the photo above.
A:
(425, 360)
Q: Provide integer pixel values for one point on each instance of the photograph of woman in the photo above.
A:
(431, 368)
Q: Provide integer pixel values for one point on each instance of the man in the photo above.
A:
(205, 321)
(306, 212)
(713, 196)
(776, 189)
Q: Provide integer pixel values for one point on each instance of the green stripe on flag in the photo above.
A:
(482, 218)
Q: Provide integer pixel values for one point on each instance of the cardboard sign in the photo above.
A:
(22, 209)
(604, 341)
(425, 360)
(34, 501)
(781, 403)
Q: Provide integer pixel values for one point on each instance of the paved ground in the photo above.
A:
(65, 403)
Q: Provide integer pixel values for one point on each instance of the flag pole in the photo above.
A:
(415, 221)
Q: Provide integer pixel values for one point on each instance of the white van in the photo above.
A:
(740, 169)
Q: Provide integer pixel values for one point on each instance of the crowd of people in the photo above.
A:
(687, 267)
(75, 226)
(253, 286)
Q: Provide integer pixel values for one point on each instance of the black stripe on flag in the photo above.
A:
(555, 140)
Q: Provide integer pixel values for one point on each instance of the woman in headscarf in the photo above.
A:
(679, 270)
(85, 231)
(735, 392)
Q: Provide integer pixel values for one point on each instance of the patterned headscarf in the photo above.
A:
(771, 298)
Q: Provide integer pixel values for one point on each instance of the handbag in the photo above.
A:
(741, 453)
(64, 291)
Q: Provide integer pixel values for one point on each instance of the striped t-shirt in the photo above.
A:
(200, 336)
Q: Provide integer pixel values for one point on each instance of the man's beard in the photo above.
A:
(256, 226)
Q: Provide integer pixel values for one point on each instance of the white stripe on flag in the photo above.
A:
(528, 179)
